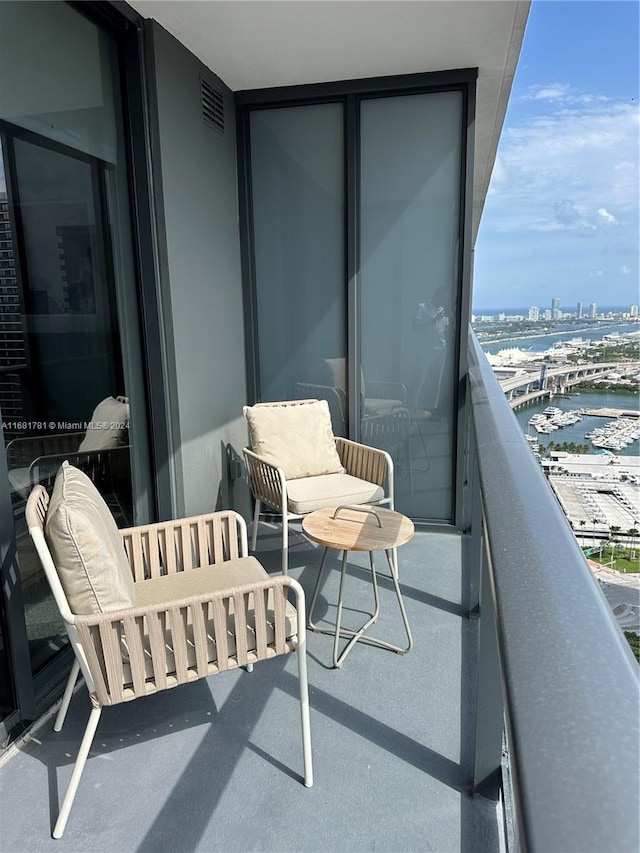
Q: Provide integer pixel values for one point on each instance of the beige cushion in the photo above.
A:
(338, 374)
(86, 546)
(109, 426)
(296, 436)
(223, 576)
(316, 492)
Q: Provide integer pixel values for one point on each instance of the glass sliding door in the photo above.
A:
(71, 369)
(297, 179)
(410, 172)
(69, 340)
(356, 252)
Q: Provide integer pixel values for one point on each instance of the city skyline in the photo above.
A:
(561, 215)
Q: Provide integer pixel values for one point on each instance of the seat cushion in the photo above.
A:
(109, 426)
(223, 576)
(311, 493)
(380, 406)
(294, 435)
(86, 546)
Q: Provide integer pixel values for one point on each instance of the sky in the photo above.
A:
(561, 214)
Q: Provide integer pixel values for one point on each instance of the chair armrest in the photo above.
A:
(367, 463)
(268, 482)
(96, 464)
(137, 651)
(21, 452)
(185, 543)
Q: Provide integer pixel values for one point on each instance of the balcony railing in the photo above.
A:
(550, 650)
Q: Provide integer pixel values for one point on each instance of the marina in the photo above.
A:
(615, 435)
(576, 418)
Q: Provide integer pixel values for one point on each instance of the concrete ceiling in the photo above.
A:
(263, 43)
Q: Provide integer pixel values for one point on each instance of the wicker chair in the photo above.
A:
(296, 465)
(199, 605)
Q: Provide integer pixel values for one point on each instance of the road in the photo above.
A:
(623, 594)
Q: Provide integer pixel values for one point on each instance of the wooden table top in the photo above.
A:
(356, 530)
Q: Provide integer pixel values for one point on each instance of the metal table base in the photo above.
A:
(360, 635)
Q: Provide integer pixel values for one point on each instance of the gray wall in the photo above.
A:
(201, 280)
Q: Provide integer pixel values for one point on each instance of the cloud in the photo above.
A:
(608, 217)
(552, 92)
(561, 216)
(569, 168)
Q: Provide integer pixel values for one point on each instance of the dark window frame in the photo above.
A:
(351, 93)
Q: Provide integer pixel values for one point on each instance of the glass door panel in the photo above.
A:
(410, 172)
(297, 178)
(62, 370)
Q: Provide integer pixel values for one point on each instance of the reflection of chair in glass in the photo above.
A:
(378, 397)
(102, 452)
(153, 607)
(296, 465)
(388, 429)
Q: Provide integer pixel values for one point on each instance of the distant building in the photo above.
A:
(579, 310)
(555, 308)
(633, 310)
(593, 311)
(547, 313)
(534, 314)
(12, 342)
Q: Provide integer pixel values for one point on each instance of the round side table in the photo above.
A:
(358, 528)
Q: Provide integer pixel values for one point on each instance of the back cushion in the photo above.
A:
(109, 426)
(86, 546)
(296, 436)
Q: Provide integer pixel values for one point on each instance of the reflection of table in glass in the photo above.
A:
(358, 528)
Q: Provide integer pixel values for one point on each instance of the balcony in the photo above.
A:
(507, 623)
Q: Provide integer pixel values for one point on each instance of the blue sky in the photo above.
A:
(561, 215)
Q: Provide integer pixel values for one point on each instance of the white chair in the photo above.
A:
(152, 607)
(296, 465)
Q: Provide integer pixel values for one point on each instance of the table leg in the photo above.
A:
(339, 659)
(360, 635)
(314, 597)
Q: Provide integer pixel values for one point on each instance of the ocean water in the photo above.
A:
(540, 343)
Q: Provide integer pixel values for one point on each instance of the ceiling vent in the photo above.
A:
(212, 105)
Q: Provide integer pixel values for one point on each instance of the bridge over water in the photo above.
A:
(525, 388)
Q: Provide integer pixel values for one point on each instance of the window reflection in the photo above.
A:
(62, 393)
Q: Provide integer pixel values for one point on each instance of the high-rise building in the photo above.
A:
(579, 310)
(633, 310)
(534, 313)
(593, 311)
(555, 308)
(12, 343)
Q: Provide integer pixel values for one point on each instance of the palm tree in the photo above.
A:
(594, 522)
(615, 528)
(633, 533)
(583, 521)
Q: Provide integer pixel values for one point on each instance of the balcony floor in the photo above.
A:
(216, 765)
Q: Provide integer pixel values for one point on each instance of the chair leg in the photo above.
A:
(254, 531)
(66, 699)
(78, 767)
(301, 651)
(285, 544)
